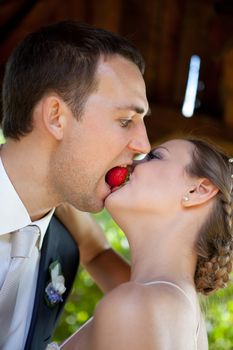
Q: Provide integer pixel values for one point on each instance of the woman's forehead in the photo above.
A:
(176, 144)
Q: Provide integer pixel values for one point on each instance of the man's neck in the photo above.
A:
(27, 172)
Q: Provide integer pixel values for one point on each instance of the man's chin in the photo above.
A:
(90, 206)
(97, 205)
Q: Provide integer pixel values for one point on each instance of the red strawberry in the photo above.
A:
(116, 176)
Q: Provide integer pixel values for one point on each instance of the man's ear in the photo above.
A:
(54, 116)
(199, 193)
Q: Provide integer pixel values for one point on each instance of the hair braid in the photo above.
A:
(212, 274)
(215, 241)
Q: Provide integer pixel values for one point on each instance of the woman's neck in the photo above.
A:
(162, 250)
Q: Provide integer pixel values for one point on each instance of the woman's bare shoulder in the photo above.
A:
(142, 316)
(144, 294)
(127, 298)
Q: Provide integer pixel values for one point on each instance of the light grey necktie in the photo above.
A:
(23, 242)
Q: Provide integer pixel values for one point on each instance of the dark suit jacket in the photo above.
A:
(57, 245)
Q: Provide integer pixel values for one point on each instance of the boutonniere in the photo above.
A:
(56, 287)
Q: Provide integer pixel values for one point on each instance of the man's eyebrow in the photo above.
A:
(136, 109)
(149, 111)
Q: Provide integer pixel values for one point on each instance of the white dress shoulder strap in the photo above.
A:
(185, 295)
(175, 286)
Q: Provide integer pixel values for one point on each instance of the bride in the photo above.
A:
(176, 211)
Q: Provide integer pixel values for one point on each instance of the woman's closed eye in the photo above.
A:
(154, 155)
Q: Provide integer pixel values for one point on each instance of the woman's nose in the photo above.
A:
(143, 159)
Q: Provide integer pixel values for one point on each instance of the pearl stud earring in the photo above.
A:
(186, 198)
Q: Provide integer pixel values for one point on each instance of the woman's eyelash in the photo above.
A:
(152, 155)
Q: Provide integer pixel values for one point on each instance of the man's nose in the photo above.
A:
(140, 142)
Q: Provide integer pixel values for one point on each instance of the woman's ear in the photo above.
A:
(53, 116)
(199, 193)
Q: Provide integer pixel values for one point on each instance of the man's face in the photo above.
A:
(110, 133)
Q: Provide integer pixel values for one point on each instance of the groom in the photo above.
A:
(74, 103)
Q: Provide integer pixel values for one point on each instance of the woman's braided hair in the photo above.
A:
(215, 241)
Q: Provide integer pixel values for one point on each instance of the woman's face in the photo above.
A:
(158, 182)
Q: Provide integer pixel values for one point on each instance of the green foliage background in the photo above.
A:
(1, 137)
(217, 308)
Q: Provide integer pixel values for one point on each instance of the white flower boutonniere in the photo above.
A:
(53, 346)
(56, 287)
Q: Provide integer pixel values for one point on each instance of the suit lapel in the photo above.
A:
(57, 245)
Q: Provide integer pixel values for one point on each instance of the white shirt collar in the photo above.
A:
(14, 215)
(43, 225)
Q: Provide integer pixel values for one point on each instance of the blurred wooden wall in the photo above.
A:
(168, 33)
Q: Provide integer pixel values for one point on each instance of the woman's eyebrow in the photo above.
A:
(159, 147)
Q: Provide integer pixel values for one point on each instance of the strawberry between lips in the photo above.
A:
(117, 176)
